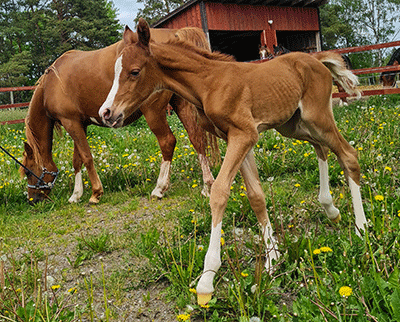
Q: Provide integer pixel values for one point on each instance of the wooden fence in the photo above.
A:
(371, 70)
(15, 105)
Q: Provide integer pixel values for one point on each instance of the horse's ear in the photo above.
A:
(143, 31)
(129, 36)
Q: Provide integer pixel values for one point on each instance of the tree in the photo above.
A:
(154, 10)
(359, 22)
(33, 33)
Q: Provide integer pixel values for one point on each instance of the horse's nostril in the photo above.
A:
(107, 114)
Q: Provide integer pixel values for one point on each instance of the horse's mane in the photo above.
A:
(182, 44)
(35, 104)
(395, 56)
(194, 36)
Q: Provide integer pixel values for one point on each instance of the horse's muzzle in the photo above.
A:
(111, 119)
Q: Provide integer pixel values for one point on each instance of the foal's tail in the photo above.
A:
(335, 63)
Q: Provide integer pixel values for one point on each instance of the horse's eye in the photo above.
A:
(135, 72)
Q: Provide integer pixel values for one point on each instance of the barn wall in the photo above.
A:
(189, 18)
(247, 17)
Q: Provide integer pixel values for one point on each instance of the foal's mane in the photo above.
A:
(179, 44)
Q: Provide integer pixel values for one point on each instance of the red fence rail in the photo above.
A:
(15, 105)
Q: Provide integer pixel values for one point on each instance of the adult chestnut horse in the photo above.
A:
(237, 101)
(71, 92)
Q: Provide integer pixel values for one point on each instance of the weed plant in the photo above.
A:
(326, 272)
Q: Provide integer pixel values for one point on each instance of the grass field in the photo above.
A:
(134, 259)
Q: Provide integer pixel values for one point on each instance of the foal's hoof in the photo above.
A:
(337, 219)
(94, 200)
(203, 299)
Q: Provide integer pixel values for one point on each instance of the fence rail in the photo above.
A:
(14, 105)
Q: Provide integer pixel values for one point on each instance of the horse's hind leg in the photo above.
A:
(78, 187)
(155, 114)
(197, 137)
(321, 124)
(295, 128)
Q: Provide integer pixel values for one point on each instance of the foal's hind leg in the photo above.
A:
(197, 136)
(295, 128)
(323, 129)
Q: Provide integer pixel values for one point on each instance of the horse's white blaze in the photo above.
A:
(212, 262)
(325, 197)
(114, 89)
(78, 188)
(361, 221)
(163, 180)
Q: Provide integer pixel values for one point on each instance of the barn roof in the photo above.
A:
(277, 3)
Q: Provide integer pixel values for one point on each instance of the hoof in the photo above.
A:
(156, 194)
(337, 219)
(203, 299)
(94, 200)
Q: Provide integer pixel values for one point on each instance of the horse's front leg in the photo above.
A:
(197, 136)
(81, 145)
(78, 187)
(154, 110)
(238, 147)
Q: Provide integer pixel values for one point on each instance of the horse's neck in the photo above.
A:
(185, 72)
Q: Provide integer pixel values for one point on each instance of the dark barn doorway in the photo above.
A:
(243, 45)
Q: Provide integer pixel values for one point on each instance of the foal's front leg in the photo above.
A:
(237, 149)
(257, 202)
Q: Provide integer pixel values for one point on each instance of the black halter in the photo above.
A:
(40, 184)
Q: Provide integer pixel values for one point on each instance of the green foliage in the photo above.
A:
(154, 10)
(34, 33)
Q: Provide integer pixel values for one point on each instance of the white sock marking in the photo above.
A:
(163, 180)
(78, 188)
(358, 207)
(212, 262)
(325, 197)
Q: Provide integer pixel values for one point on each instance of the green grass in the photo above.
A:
(164, 242)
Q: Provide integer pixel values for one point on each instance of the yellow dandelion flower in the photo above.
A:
(55, 287)
(183, 317)
(297, 185)
(222, 241)
(72, 290)
(388, 169)
(193, 290)
(326, 249)
(244, 274)
(205, 306)
(379, 198)
(345, 291)
(317, 251)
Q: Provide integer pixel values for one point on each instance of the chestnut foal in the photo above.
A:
(237, 101)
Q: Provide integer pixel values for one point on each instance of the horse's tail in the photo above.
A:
(197, 37)
(335, 63)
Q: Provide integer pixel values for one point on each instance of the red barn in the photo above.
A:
(239, 27)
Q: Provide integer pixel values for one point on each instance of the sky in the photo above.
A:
(127, 11)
